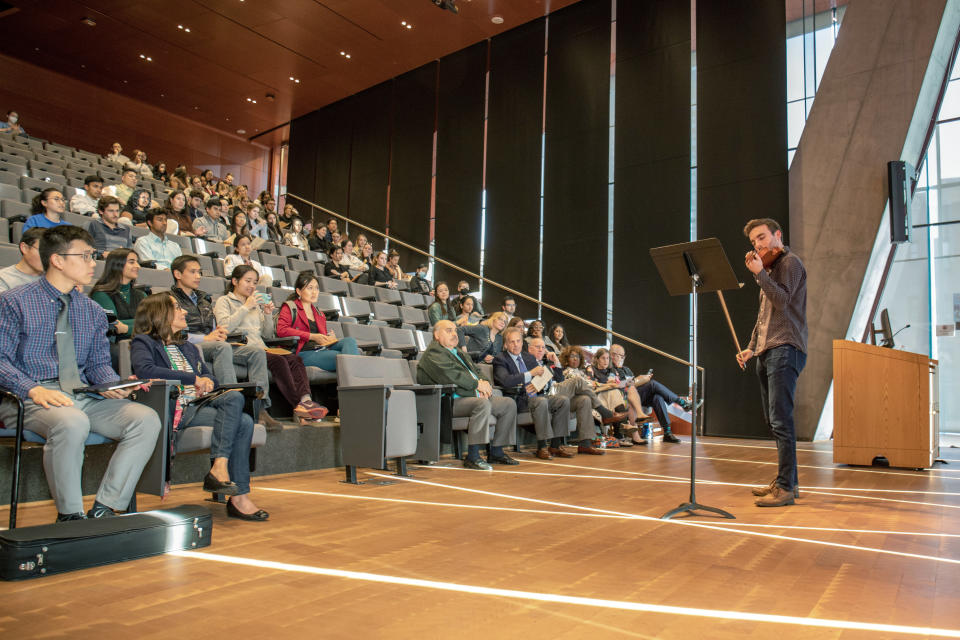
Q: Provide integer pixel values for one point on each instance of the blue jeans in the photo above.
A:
(232, 434)
(660, 397)
(778, 370)
(327, 358)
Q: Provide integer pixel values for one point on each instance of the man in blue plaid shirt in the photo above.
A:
(52, 341)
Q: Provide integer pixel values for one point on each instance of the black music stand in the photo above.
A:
(687, 269)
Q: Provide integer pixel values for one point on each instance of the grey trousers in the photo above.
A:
(479, 411)
(551, 416)
(583, 401)
(133, 426)
(222, 356)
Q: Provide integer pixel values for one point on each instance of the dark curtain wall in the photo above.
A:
(742, 174)
(652, 191)
(411, 157)
(302, 165)
(576, 166)
(459, 186)
(370, 158)
(514, 128)
(332, 150)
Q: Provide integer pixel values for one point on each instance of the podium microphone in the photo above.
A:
(906, 326)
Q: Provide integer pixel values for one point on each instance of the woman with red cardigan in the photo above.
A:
(317, 347)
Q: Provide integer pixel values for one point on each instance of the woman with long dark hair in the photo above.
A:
(250, 312)
(175, 207)
(299, 317)
(116, 289)
(442, 307)
(238, 227)
(274, 231)
(137, 206)
(557, 338)
(159, 352)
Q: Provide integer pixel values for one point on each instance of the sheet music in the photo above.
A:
(540, 381)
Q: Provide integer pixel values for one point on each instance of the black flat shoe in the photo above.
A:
(258, 516)
(669, 437)
(211, 484)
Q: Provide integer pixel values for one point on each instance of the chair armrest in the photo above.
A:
(290, 342)
(249, 389)
(421, 389)
(364, 387)
(239, 338)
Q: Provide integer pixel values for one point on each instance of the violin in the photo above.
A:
(767, 256)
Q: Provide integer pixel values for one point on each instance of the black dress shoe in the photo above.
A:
(478, 465)
(66, 517)
(669, 437)
(99, 510)
(211, 484)
(504, 459)
(257, 516)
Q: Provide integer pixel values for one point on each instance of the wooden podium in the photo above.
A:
(885, 403)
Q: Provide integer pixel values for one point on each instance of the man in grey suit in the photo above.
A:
(444, 363)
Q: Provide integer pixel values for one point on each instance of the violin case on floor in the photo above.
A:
(31, 552)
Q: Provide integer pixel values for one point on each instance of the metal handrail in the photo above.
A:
(514, 292)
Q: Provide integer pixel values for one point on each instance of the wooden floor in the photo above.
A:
(564, 549)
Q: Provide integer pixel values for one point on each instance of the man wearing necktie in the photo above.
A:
(444, 363)
(513, 370)
(53, 340)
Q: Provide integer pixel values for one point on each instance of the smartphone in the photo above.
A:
(263, 298)
(649, 372)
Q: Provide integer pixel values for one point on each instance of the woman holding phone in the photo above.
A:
(250, 312)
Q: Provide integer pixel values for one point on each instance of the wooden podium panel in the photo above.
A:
(884, 404)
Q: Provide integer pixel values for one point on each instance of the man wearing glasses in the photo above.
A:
(53, 340)
(651, 392)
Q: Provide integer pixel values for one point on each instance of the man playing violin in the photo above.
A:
(779, 344)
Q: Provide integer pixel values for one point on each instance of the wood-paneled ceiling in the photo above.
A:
(237, 51)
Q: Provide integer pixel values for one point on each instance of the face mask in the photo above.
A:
(14, 119)
(464, 290)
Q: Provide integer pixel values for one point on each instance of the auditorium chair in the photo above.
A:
(419, 318)
(384, 414)
(333, 285)
(388, 295)
(398, 339)
(354, 308)
(362, 291)
(388, 313)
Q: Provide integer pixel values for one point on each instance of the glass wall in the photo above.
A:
(810, 41)
(923, 288)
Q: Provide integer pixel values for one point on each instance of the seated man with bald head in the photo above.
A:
(443, 363)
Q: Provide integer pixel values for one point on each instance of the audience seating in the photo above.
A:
(333, 285)
(354, 308)
(388, 313)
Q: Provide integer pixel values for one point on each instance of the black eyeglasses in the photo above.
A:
(87, 256)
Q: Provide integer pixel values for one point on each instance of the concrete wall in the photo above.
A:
(874, 105)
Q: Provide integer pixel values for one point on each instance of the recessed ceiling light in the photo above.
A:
(498, 19)
(241, 131)
(183, 28)
(345, 54)
(90, 22)
(147, 58)
(406, 24)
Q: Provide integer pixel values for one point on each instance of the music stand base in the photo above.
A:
(693, 506)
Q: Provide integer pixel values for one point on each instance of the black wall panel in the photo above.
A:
(460, 104)
(302, 164)
(370, 158)
(742, 174)
(652, 179)
(411, 157)
(333, 158)
(577, 165)
(514, 128)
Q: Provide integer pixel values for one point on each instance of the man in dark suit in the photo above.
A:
(444, 363)
(582, 398)
(513, 370)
